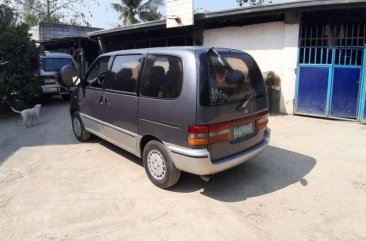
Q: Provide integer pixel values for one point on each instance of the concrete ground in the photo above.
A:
(310, 184)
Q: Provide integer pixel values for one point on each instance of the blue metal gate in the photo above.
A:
(312, 90)
(362, 110)
(345, 85)
(329, 79)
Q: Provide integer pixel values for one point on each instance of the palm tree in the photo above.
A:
(135, 11)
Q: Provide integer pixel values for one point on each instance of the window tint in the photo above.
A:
(163, 76)
(124, 73)
(55, 64)
(230, 79)
(100, 66)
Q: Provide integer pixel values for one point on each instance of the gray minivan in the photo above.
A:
(193, 109)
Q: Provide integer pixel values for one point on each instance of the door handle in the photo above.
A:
(100, 100)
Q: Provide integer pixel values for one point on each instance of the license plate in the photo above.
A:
(49, 81)
(243, 131)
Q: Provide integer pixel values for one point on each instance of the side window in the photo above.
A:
(124, 73)
(162, 77)
(100, 66)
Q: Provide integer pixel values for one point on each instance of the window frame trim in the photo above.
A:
(91, 66)
(133, 93)
(144, 69)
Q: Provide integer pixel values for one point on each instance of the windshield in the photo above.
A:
(229, 78)
(55, 64)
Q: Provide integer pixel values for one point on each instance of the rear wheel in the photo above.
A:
(159, 166)
(78, 128)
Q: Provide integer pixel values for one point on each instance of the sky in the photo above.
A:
(103, 16)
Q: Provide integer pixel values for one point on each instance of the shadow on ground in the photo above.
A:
(270, 171)
(119, 151)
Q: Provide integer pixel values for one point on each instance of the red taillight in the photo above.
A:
(199, 136)
(220, 136)
(205, 135)
(261, 123)
(197, 129)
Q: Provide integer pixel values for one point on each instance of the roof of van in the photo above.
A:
(56, 55)
(180, 48)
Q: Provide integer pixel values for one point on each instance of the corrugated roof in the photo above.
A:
(250, 11)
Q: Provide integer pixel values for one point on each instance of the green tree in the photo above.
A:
(52, 11)
(135, 11)
(251, 2)
(18, 59)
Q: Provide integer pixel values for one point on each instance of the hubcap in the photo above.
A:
(77, 126)
(156, 164)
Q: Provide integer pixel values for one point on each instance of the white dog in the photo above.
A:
(29, 114)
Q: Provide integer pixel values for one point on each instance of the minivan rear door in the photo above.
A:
(232, 97)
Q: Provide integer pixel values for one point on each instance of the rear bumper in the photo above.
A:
(50, 88)
(198, 161)
(56, 89)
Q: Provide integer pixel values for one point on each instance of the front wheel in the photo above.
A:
(78, 128)
(159, 166)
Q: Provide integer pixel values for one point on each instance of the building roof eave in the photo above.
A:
(281, 7)
(139, 26)
(250, 11)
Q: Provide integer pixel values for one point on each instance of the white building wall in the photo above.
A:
(35, 33)
(289, 65)
(273, 45)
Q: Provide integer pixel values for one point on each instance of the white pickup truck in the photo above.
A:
(51, 63)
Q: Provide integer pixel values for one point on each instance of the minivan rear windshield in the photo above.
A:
(228, 77)
(55, 64)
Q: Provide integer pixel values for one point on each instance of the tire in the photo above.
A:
(159, 165)
(78, 128)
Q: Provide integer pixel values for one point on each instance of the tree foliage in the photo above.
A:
(135, 11)
(18, 59)
(52, 11)
(251, 2)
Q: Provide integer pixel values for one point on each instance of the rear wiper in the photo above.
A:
(245, 101)
(221, 59)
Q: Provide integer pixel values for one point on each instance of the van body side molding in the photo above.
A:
(129, 133)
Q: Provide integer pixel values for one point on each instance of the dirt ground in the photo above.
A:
(310, 184)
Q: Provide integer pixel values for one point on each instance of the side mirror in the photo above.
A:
(234, 77)
(68, 76)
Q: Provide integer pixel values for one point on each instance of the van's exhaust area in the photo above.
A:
(206, 178)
